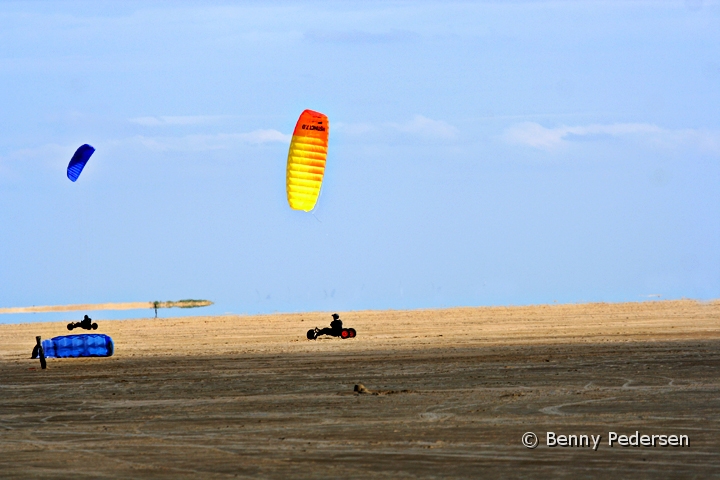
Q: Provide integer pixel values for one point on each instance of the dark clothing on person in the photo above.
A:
(324, 331)
(335, 329)
(86, 323)
(336, 326)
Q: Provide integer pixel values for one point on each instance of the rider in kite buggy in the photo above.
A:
(86, 324)
(336, 330)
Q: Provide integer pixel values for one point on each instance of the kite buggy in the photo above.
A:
(86, 324)
(336, 330)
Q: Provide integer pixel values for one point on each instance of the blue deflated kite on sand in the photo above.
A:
(75, 346)
(78, 161)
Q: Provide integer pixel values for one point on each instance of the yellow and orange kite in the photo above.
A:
(306, 160)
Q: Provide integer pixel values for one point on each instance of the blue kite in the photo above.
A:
(78, 161)
(75, 346)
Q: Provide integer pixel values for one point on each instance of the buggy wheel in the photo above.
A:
(311, 334)
(345, 333)
(352, 332)
(94, 326)
(70, 326)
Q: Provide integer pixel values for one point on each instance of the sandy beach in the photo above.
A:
(451, 393)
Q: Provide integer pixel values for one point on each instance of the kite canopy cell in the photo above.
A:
(78, 161)
(306, 160)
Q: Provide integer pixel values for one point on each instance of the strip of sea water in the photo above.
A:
(102, 315)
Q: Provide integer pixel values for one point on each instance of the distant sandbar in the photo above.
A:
(107, 306)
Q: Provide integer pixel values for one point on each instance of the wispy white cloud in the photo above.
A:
(52, 156)
(356, 36)
(58, 155)
(49, 152)
(418, 125)
(427, 127)
(177, 120)
(264, 136)
(536, 136)
(42, 151)
(354, 128)
(220, 141)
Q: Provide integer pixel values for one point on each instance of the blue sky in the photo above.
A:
(481, 153)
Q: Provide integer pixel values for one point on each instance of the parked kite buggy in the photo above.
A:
(72, 325)
(86, 323)
(313, 333)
